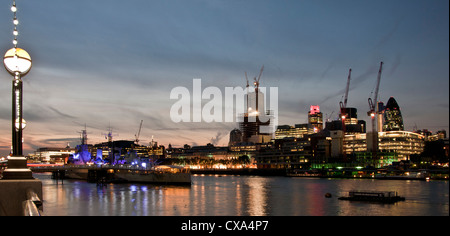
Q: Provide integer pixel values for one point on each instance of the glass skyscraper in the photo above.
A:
(393, 120)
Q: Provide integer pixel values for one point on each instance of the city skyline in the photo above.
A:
(113, 63)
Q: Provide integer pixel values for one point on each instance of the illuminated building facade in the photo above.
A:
(212, 157)
(348, 122)
(52, 155)
(354, 143)
(429, 136)
(287, 131)
(288, 153)
(393, 120)
(315, 119)
(284, 131)
(350, 114)
(314, 126)
(392, 145)
(403, 143)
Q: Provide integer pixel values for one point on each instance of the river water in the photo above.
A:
(241, 196)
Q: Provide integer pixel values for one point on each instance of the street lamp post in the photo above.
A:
(18, 63)
(17, 181)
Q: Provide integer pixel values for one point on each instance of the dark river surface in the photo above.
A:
(242, 196)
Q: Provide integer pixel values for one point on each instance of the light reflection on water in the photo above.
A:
(241, 196)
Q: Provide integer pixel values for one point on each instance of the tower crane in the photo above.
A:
(246, 78)
(372, 103)
(138, 134)
(246, 87)
(372, 113)
(256, 83)
(328, 117)
(344, 104)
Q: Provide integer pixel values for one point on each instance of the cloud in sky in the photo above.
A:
(111, 62)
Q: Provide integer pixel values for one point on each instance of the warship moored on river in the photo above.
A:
(162, 174)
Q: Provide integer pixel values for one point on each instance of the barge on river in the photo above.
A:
(373, 196)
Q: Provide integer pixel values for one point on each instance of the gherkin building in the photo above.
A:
(393, 119)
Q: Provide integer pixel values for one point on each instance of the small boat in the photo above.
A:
(373, 196)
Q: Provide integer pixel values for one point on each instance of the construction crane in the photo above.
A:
(344, 104)
(328, 117)
(373, 103)
(246, 87)
(372, 113)
(256, 83)
(138, 134)
(246, 78)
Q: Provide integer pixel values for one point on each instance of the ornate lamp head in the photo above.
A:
(17, 60)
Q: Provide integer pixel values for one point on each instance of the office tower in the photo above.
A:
(235, 137)
(393, 120)
(315, 119)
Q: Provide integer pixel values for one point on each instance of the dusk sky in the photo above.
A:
(113, 63)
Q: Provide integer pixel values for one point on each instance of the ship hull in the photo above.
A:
(154, 177)
(159, 174)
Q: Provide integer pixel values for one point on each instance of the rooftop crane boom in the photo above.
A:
(372, 114)
(328, 117)
(344, 105)
(378, 82)
(246, 78)
(256, 83)
(139, 133)
(259, 77)
(246, 87)
(373, 103)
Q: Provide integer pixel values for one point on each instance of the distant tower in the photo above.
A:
(393, 119)
(253, 122)
(315, 119)
(235, 137)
